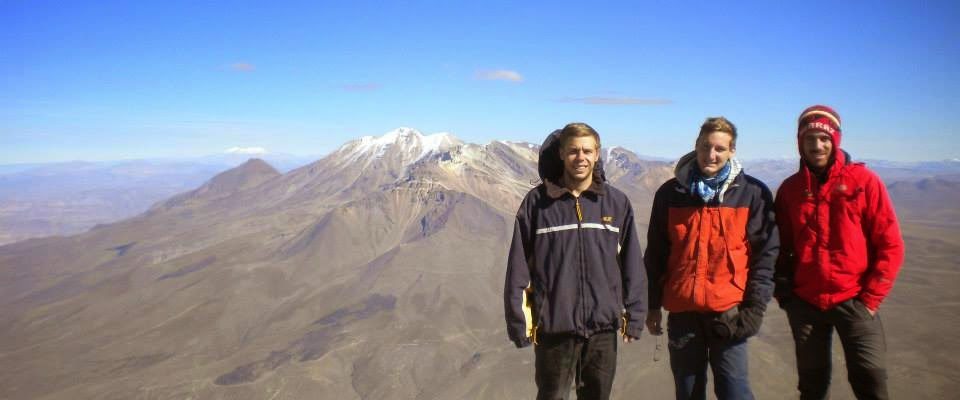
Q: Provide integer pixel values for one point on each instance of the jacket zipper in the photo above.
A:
(819, 230)
(579, 213)
(582, 268)
(696, 257)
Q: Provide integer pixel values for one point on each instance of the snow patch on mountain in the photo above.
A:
(437, 142)
(246, 150)
(510, 143)
(610, 150)
(402, 137)
(409, 143)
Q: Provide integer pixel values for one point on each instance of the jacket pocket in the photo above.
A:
(849, 203)
(855, 310)
(862, 308)
(738, 259)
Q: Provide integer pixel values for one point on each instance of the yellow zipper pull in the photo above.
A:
(579, 214)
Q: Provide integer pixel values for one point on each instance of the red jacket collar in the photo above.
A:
(840, 159)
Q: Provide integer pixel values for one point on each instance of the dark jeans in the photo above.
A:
(692, 346)
(864, 348)
(563, 359)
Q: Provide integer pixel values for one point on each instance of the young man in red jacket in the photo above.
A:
(840, 252)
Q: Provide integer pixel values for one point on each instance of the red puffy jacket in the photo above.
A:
(839, 238)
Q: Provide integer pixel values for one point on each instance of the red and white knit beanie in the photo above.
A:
(820, 118)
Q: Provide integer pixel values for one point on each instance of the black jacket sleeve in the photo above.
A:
(518, 277)
(764, 248)
(658, 248)
(633, 275)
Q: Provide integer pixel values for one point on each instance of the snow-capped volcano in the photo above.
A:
(406, 157)
(407, 143)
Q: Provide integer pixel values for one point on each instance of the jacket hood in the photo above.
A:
(550, 166)
(688, 163)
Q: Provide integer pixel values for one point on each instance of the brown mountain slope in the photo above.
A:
(248, 175)
(373, 273)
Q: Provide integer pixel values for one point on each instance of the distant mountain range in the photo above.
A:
(774, 171)
(38, 200)
(372, 273)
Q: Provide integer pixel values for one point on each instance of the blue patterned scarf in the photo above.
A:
(707, 188)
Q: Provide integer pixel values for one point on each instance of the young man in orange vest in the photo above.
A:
(711, 247)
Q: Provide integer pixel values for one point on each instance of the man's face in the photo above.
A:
(817, 148)
(713, 151)
(579, 156)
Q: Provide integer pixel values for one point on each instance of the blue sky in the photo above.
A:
(110, 80)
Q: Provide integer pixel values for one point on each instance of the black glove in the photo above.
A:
(724, 325)
(737, 323)
(748, 322)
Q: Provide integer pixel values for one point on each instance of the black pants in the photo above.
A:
(864, 348)
(565, 359)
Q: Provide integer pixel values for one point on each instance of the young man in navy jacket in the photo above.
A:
(575, 273)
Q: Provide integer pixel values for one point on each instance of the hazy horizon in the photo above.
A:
(264, 153)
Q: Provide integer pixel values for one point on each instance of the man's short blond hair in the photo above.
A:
(718, 124)
(577, 129)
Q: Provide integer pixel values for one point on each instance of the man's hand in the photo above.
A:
(748, 322)
(629, 339)
(873, 313)
(655, 322)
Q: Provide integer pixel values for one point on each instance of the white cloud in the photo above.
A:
(246, 150)
(499, 75)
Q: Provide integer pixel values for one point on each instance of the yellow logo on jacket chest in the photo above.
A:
(606, 220)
